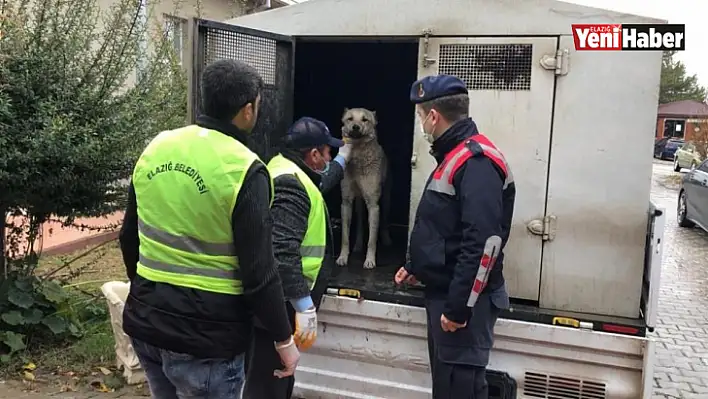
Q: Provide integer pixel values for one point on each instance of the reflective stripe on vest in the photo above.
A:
(442, 179)
(187, 183)
(312, 249)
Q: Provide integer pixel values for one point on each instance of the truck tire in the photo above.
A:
(682, 212)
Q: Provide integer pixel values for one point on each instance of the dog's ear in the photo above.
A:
(346, 110)
(376, 119)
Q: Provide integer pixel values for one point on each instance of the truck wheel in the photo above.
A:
(677, 167)
(682, 212)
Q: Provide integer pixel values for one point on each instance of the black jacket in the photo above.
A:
(291, 209)
(451, 230)
(201, 323)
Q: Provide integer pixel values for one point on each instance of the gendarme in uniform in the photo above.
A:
(456, 247)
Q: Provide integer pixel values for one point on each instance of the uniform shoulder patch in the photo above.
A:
(474, 147)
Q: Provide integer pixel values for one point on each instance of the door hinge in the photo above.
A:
(546, 227)
(427, 61)
(557, 62)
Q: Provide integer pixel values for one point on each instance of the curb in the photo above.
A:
(81, 243)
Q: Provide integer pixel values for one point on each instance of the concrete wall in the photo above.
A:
(180, 13)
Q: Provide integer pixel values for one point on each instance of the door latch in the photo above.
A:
(427, 61)
(557, 62)
(545, 227)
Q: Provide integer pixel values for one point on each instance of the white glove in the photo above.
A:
(289, 356)
(305, 329)
(345, 151)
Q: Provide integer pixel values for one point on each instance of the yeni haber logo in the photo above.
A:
(616, 37)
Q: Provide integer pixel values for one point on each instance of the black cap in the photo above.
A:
(309, 132)
(432, 87)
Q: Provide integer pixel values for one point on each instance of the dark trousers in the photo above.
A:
(174, 375)
(454, 373)
(261, 360)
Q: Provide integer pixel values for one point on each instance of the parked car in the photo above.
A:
(693, 198)
(687, 156)
(665, 148)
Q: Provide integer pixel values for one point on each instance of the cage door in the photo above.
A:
(511, 99)
(270, 54)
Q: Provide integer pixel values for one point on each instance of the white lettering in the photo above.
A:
(597, 38)
(651, 39)
(582, 35)
(629, 38)
(677, 39)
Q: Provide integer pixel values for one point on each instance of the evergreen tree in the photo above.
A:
(676, 84)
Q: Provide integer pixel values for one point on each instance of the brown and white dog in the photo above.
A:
(364, 178)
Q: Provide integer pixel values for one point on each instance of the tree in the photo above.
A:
(74, 116)
(700, 138)
(676, 85)
(73, 124)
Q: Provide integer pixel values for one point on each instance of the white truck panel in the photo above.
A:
(518, 120)
(600, 181)
(444, 17)
(655, 257)
(368, 349)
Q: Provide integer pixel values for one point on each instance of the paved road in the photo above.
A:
(681, 369)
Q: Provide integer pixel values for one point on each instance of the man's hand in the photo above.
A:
(305, 329)
(402, 276)
(450, 326)
(289, 356)
(345, 151)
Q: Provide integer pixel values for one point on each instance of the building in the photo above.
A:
(681, 119)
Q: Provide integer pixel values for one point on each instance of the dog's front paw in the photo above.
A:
(343, 258)
(369, 263)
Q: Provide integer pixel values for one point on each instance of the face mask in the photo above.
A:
(326, 168)
(428, 136)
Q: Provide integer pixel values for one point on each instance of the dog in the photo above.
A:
(364, 178)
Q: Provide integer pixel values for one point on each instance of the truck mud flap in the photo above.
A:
(501, 385)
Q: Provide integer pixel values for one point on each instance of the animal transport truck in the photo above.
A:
(583, 261)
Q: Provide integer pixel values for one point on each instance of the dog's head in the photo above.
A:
(359, 124)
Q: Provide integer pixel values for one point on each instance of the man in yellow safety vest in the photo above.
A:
(302, 241)
(197, 245)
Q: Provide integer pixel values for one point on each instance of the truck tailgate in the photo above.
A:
(370, 349)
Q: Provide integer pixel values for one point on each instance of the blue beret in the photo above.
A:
(432, 87)
(309, 132)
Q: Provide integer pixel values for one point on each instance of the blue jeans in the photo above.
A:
(174, 375)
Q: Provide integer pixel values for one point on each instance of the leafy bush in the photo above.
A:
(73, 124)
(74, 115)
(34, 310)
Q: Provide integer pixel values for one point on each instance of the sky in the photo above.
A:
(689, 12)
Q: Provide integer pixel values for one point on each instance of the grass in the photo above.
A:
(83, 277)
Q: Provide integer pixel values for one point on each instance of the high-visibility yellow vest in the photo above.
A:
(186, 183)
(312, 249)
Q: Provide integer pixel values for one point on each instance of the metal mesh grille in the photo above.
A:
(488, 66)
(272, 57)
(256, 51)
(540, 385)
